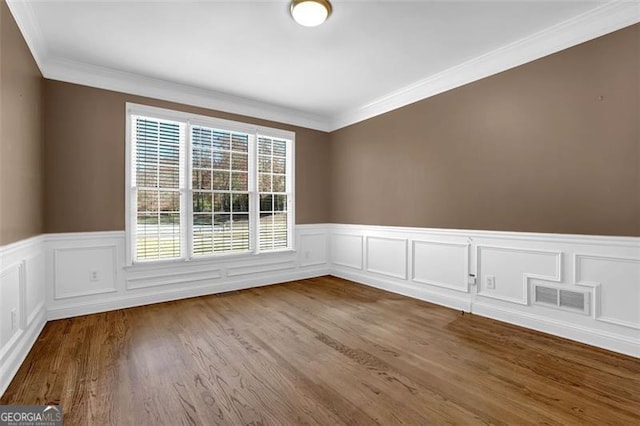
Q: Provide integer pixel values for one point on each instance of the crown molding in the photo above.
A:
(136, 84)
(597, 22)
(26, 20)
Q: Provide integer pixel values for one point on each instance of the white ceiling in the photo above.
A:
(253, 53)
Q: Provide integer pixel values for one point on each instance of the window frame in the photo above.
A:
(186, 191)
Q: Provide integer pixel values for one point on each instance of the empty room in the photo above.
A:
(326, 212)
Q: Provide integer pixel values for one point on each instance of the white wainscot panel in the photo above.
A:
(313, 249)
(346, 250)
(387, 256)
(511, 270)
(10, 303)
(84, 271)
(442, 264)
(144, 276)
(35, 289)
(616, 281)
(260, 268)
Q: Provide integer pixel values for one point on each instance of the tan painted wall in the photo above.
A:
(85, 159)
(551, 146)
(21, 175)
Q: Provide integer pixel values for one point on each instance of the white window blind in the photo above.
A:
(274, 193)
(203, 187)
(157, 185)
(220, 168)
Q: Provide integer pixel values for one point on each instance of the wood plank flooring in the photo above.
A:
(320, 351)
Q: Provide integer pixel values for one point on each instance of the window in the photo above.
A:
(201, 187)
(272, 187)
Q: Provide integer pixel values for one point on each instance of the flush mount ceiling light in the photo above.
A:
(310, 13)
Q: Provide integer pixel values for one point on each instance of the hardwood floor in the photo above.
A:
(319, 351)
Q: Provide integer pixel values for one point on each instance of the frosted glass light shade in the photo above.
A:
(310, 13)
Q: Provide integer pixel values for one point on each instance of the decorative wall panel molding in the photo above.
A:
(346, 250)
(616, 277)
(247, 269)
(387, 256)
(22, 303)
(162, 276)
(84, 271)
(509, 265)
(441, 264)
(11, 303)
(314, 248)
(34, 285)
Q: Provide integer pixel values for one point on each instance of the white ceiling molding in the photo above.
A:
(602, 20)
(26, 20)
(135, 84)
(595, 23)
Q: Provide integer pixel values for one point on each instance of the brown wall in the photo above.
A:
(551, 146)
(85, 159)
(21, 173)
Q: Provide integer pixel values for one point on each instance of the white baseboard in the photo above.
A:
(159, 296)
(589, 336)
(16, 351)
(416, 292)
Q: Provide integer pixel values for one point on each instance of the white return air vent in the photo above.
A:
(568, 300)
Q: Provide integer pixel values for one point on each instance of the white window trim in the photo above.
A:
(195, 119)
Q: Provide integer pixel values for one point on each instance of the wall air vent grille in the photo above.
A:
(573, 299)
(567, 300)
(547, 295)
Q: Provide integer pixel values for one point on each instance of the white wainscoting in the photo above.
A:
(387, 256)
(63, 275)
(510, 265)
(618, 303)
(442, 263)
(89, 273)
(347, 250)
(22, 303)
(73, 267)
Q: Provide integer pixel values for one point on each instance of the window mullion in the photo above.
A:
(254, 197)
(158, 215)
(290, 184)
(132, 199)
(186, 208)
